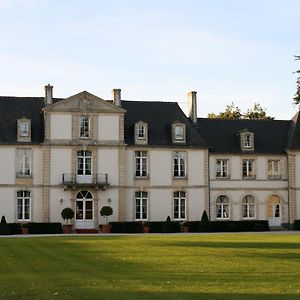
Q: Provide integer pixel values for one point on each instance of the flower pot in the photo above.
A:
(106, 228)
(185, 228)
(146, 229)
(68, 228)
(25, 230)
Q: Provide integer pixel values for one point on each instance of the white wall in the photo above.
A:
(61, 126)
(160, 167)
(196, 167)
(109, 163)
(108, 127)
(8, 165)
(61, 159)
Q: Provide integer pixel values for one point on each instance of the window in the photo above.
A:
(23, 205)
(141, 133)
(222, 207)
(84, 127)
(24, 128)
(222, 168)
(248, 168)
(84, 162)
(247, 140)
(248, 207)
(179, 206)
(23, 162)
(178, 133)
(273, 169)
(179, 164)
(141, 164)
(141, 205)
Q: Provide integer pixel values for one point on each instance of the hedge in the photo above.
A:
(45, 228)
(14, 228)
(296, 225)
(126, 227)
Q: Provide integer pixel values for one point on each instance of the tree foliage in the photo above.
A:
(297, 95)
(234, 112)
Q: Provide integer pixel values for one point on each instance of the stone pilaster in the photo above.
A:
(122, 195)
(46, 183)
(292, 185)
(206, 182)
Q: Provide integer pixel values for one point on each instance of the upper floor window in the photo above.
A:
(222, 207)
(23, 205)
(248, 207)
(179, 164)
(247, 140)
(84, 163)
(24, 130)
(178, 133)
(23, 163)
(84, 130)
(274, 169)
(141, 205)
(222, 168)
(141, 164)
(248, 168)
(141, 133)
(179, 206)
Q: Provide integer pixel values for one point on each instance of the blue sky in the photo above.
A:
(227, 50)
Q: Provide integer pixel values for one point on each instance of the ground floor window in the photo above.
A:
(84, 206)
(222, 207)
(179, 205)
(141, 205)
(23, 205)
(248, 207)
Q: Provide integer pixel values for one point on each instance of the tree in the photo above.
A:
(257, 113)
(297, 95)
(234, 112)
(106, 211)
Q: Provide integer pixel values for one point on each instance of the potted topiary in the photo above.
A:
(106, 211)
(67, 214)
(25, 228)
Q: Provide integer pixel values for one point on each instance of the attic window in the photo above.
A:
(247, 141)
(24, 130)
(141, 133)
(178, 133)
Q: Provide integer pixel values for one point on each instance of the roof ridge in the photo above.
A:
(244, 120)
(151, 101)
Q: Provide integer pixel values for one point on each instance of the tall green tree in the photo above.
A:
(257, 113)
(231, 112)
(297, 95)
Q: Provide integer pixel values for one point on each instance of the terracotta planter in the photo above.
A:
(146, 229)
(25, 230)
(68, 228)
(185, 228)
(106, 228)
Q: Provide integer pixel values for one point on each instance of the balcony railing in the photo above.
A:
(74, 181)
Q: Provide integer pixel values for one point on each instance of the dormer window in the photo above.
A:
(247, 140)
(178, 133)
(84, 127)
(141, 133)
(24, 130)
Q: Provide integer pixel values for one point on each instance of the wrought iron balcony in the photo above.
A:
(74, 181)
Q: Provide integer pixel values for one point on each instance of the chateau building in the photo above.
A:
(147, 160)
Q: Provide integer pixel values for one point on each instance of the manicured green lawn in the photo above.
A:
(232, 266)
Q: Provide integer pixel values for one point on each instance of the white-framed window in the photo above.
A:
(222, 168)
(24, 128)
(23, 164)
(274, 169)
(84, 162)
(247, 141)
(141, 133)
(178, 133)
(179, 164)
(248, 207)
(84, 127)
(141, 164)
(141, 205)
(222, 207)
(248, 168)
(23, 205)
(179, 209)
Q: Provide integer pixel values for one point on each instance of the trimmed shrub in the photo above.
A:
(106, 211)
(4, 229)
(126, 227)
(171, 227)
(205, 225)
(232, 227)
(193, 225)
(67, 213)
(45, 228)
(15, 228)
(296, 225)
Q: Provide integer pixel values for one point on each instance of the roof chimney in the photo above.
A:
(117, 97)
(48, 94)
(192, 106)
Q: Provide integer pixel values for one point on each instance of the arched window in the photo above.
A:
(23, 205)
(84, 205)
(222, 207)
(248, 207)
(84, 162)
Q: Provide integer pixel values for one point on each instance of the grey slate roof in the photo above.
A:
(294, 137)
(270, 136)
(159, 116)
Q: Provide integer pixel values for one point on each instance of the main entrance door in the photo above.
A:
(84, 210)
(274, 211)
